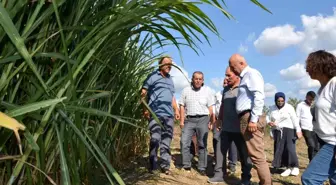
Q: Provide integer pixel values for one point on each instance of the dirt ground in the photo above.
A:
(137, 172)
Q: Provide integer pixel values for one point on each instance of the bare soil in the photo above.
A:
(137, 173)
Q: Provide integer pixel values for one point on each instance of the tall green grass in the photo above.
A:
(91, 57)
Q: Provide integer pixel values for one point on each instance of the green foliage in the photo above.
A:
(293, 101)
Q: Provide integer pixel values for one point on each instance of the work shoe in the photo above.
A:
(215, 180)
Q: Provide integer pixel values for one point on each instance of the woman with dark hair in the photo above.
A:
(285, 130)
(321, 66)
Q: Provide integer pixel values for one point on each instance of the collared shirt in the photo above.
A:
(303, 112)
(325, 113)
(160, 92)
(218, 102)
(251, 93)
(284, 117)
(230, 117)
(196, 102)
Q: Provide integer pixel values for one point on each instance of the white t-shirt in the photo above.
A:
(325, 113)
(305, 117)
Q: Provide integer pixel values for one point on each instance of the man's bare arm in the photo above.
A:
(182, 116)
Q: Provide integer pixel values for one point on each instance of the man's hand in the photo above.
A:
(177, 115)
(146, 114)
(210, 126)
(181, 124)
(218, 124)
(299, 135)
(272, 124)
(252, 127)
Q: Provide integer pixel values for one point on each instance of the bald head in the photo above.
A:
(237, 63)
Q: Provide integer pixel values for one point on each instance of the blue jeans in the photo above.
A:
(321, 167)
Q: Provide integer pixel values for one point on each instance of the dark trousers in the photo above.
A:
(312, 143)
(226, 140)
(160, 137)
(285, 148)
(233, 155)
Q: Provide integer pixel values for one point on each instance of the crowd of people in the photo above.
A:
(238, 122)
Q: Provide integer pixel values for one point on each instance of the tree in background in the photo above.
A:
(293, 101)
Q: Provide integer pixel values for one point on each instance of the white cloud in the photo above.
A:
(297, 75)
(318, 33)
(180, 80)
(273, 40)
(217, 82)
(270, 90)
(242, 49)
(307, 83)
(294, 72)
(291, 94)
(251, 37)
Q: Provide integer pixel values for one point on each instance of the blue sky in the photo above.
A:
(275, 44)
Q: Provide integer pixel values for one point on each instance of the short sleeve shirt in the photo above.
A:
(197, 102)
(160, 92)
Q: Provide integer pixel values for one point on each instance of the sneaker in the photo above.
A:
(286, 173)
(215, 180)
(295, 171)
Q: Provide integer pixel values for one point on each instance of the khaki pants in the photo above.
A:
(255, 146)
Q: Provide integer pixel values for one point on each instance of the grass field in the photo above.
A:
(136, 171)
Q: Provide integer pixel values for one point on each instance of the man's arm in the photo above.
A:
(182, 109)
(144, 91)
(176, 110)
(146, 113)
(256, 87)
(212, 117)
(219, 121)
(182, 116)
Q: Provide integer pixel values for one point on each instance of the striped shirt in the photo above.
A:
(197, 102)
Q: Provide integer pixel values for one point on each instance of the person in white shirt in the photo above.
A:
(303, 112)
(249, 106)
(321, 66)
(196, 105)
(285, 130)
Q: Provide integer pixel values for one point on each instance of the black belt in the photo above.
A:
(196, 116)
(243, 113)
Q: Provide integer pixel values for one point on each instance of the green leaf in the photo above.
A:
(30, 140)
(34, 107)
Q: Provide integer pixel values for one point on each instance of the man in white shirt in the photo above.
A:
(249, 106)
(196, 105)
(303, 112)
